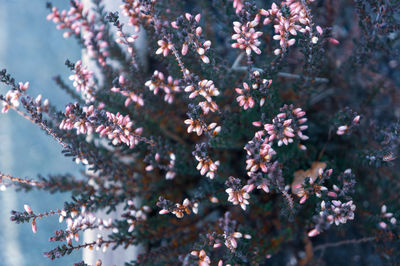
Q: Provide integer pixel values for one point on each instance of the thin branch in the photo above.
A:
(20, 180)
(237, 67)
(344, 242)
(296, 76)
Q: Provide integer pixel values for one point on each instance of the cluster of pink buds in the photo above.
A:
(165, 47)
(11, 100)
(313, 187)
(347, 128)
(181, 209)
(340, 212)
(23, 86)
(81, 124)
(127, 41)
(192, 37)
(169, 86)
(41, 106)
(137, 215)
(207, 89)
(285, 126)
(230, 240)
(169, 167)
(290, 18)
(133, 9)
(29, 211)
(194, 126)
(80, 222)
(259, 154)
(77, 22)
(204, 260)
(387, 218)
(239, 196)
(121, 131)
(69, 20)
(130, 95)
(199, 127)
(83, 81)
(96, 46)
(246, 36)
(335, 212)
(170, 173)
(207, 166)
(245, 99)
(118, 128)
(238, 5)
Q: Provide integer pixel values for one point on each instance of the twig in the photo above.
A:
(344, 242)
(296, 76)
(237, 67)
(19, 180)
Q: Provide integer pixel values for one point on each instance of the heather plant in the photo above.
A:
(242, 132)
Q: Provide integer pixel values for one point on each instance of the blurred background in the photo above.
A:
(32, 49)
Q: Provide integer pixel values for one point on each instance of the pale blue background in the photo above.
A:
(32, 49)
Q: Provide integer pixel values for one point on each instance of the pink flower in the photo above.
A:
(204, 260)
(28, 209)
(245, 100)
(194, 126)
(238, 196)
(230, 240)
(287, 125)
(207, 166)
(170, 86)
(238, 5)
(246, 37)
(165, 47)
(23, 86)
(34, 227)
(313, 232)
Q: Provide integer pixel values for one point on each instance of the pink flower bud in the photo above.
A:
(163, 211)
(264, 12)
(291, 42)
(297, 186)
(333, 41)
(249, 188)
(28, 209)
(332, 194)
(197, 18)
(185, 48)
(303, 199)
(313, 233)
(382, 225)
(34, 227)
(277, 51)
(199, 30)
(174, 25)
(207, 44)
(319, 30)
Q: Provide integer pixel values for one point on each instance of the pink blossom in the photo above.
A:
(246, 36)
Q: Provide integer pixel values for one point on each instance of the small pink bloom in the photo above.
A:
(313, 232)
(34, 227)
(28, 209)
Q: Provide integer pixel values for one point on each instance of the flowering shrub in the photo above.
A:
(252, 132)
